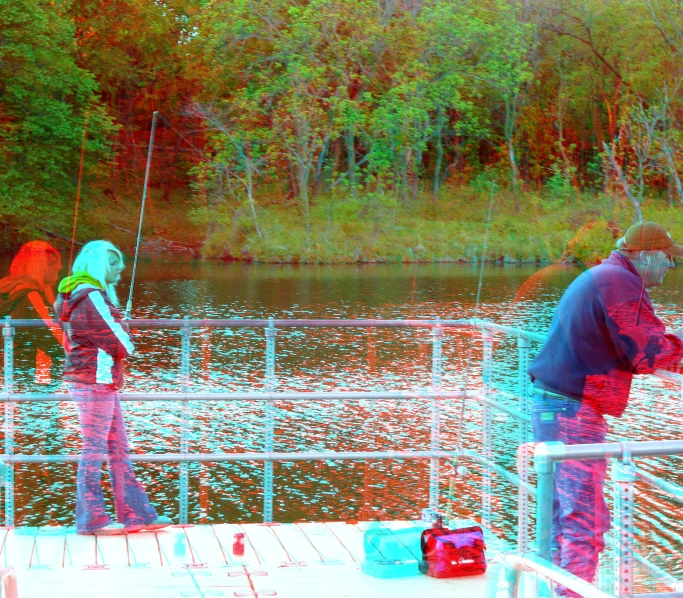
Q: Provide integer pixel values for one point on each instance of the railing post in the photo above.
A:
(185, 333)
(523, 345)
(545, 470)
(8, 370)
(271, 333)
(437, 372)
(487, 370)
(623, 478)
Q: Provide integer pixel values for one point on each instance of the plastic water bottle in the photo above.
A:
(179, 544)
(238, 545)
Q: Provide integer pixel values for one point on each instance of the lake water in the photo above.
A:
(329, 359)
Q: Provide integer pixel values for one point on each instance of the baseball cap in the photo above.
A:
(649, 236)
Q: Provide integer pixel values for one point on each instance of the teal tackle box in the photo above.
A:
(391, 552)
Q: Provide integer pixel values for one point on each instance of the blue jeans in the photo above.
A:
(580, 513)
(104, 434)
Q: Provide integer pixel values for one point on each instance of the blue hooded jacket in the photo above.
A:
(604, 331)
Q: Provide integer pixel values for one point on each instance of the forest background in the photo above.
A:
(343, 130)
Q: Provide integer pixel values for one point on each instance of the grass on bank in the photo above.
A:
(371, 228)
(524, 228)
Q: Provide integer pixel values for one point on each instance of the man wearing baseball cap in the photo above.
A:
(603, 333)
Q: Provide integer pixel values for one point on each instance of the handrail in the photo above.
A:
(667, 487)
(8, 583)
(549, 452)
(264, 323)
(231, 457)
(528, 563)
(397, 395)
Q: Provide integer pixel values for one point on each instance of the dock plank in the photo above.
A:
(267, 544)
(225, 532)
(350, 536)
(80, 551)
(112, 583)
(326, 543)
(350, 582)
(112, 551)
(143, 550)
(50, 548)
(204, 545)
(4, 534)
(18, 547)
(297, 545)
(174, 548)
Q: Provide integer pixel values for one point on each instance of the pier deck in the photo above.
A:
(296, 560)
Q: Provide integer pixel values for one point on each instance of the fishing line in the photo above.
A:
(129, 304)
(78, 192)
(468, 367)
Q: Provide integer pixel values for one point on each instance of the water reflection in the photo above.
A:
(328, 359)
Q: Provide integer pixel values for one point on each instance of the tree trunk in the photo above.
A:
(415, 172)
(513, 165)
(439, 154)
(624, 183)
(302, 183)
(509, 130)
(672, 169)
(318, 183)
(597, 125)
(304, 157)
(250, 191)
(405, 164)
(351, 159)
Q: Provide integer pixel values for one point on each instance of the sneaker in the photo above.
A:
(158, 523)
(113, 529)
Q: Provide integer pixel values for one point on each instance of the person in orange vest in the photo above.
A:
(28, 294)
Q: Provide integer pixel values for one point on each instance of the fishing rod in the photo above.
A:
(78, 191)
(129, 304)
(462, 470)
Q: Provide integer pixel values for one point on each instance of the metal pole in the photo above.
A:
(271, 333)
(437, 372)
(487, 366)
(8, 478)
(523, 345)
(185, 332)
(545, 469)
(623, 478)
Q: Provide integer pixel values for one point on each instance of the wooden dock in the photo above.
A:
(295, 560)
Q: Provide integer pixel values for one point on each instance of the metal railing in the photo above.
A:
(8, 583)
(270, 326)
(624, 475)
(487, 397)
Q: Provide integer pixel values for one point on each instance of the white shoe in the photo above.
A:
(113, 529)
(158, 523)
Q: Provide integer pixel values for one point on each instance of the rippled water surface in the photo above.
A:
(334, 359)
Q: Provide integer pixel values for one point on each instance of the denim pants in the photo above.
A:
(580, 513)
(104, 434)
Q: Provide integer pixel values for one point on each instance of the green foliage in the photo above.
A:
(378, 228)
(44, 97)
(591, 243)
(353, 117)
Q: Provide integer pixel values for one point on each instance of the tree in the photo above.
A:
(135, 50)
(45, 97)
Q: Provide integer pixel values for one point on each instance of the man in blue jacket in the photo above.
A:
(603, 333)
